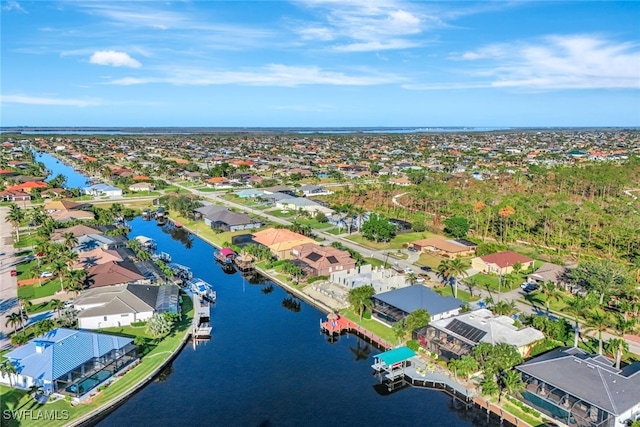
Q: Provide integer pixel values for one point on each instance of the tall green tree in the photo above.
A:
(360, 299)
(15, 217)
(456, 226)
(601, 276)
(378, 228)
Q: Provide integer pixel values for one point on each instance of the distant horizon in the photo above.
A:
(321, 63)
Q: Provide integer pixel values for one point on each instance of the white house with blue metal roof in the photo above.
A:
(392, 306)
(69, 362)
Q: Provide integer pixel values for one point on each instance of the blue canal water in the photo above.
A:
(267, 365)
(56, 167)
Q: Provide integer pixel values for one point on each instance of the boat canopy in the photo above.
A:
(396, 355)
(227, 252)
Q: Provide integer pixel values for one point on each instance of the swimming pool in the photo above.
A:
(88, 383)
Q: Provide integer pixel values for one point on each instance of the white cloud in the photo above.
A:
(362, 26)
(270, 75)
(34, 100)
(552, 63)
(13, 5)
(114, 59)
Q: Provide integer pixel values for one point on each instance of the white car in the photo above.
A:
(46, 274)
(408, 270)
(68, 304)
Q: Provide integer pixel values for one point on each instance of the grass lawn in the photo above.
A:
(38, 308)
(491, 281)
(48, 288)
(314, 223)
(206, 232)
(371, 325)
(143, 194)
(27, 240)
(463, 294)
(281, 214)
(520, 414)
(398, 242)
(375, 262)
(14, 399)
(540, 299)
(335, 231)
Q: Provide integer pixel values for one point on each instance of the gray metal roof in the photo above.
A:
(589, 377)
(412, 298)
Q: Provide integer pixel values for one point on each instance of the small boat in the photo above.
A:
(180, 271)
(162, 256)
(146, 242)
(177, 224)
(203, 289)
(225, 255)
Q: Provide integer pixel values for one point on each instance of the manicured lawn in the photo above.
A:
(206, 232)
(429, 260)
(371, 325)
(27, 240)
(313, 223)
(38, 308)
(520, 414)
(335, 231)
(374, 262)
(398, 242)
(281, 214)
(143, 194)
(14, 399)
(463, 293)
(48, 288)
(491, 281)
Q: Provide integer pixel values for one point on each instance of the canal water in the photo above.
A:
(267, 363)
(57, 167)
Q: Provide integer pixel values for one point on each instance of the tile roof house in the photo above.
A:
(392, 306)
(322, 260)
(501, 262)
(112, 273)
(456, 336)
(70, 362)
(76, 230)
(95, 257)
(579, 388)
(446, 247)
(280, 241)
(14, 196)
(122, 305)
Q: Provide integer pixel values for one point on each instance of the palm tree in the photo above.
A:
(444, 270)
(76, 281)
(59, 268)
(597, 322)
(13, 320)
(472, 283)
(550, 292)
(43, 326)
(511, 382)
(7, 369)
(15, 217)
(360, 299)
(457, 268)
(617, 346)
(412, 278)
(622, 327)
(70, 240)
(56, 305)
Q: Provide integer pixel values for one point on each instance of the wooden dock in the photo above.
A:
(338, 325)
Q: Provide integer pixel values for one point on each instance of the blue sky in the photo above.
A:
(320, 63)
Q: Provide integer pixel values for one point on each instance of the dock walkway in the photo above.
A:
(340, 325)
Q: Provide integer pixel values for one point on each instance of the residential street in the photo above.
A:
(8, 283)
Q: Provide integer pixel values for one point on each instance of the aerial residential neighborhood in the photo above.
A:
(425, 260)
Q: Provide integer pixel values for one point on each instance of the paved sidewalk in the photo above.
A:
(8, 284)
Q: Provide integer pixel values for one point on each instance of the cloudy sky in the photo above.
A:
(321, 63)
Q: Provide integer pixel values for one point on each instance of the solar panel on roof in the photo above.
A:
(313, 256)
(465, 330)
(466, 242)
(332, 259)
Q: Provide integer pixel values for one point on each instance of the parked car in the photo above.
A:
(46, 274)
(408, 270)
(425, 268)
(411, 249)
(68, 304)
(14, 273)
(529, 287)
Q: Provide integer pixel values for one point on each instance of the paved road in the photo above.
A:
(8, 284)
(516, 295)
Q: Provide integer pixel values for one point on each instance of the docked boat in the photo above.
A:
(146, 242)
(225, 255)
(180, 271)
(162, 256)
(203, 289)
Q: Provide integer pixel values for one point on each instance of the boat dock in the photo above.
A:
(337, 325)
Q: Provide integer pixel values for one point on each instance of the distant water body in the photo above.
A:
(194, 131)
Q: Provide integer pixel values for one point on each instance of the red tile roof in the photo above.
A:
(505, 259)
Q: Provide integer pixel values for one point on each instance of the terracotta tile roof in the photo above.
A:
(505, 259)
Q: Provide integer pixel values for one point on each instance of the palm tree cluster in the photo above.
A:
(360, 299)
(449, 270)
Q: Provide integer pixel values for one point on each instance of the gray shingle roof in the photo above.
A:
(412, 298)
(590, 377)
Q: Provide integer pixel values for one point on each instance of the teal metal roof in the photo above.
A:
(396, 355)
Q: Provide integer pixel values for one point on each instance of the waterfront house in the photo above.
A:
(122, 305)
(322, 260)
(221, 218)
(380, 278)
(501, 262)
(95, 257)
(106, 190)
(88, 242)
(393, 306)
(69, 362)
(454, 337)
(445, 247)
(28, 186)
(280, 241)
(76, 230)
(579, 388)
(113, 273)
(314, 190)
